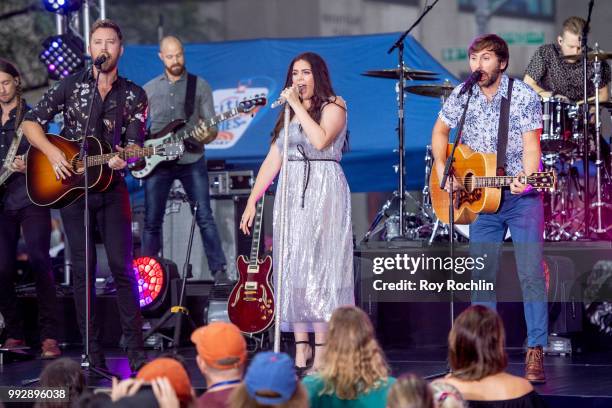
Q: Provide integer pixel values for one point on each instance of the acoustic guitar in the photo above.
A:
(251, 303)
(476, 172)
(45, 190)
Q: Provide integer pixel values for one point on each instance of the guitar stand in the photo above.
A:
(179, 312)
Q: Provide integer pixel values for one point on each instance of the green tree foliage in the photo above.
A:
(21, 38)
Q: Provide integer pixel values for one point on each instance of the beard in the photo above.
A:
(8, 98)
(491, 78)
(176, 70)
(109, 65)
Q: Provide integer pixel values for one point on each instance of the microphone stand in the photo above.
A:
(585, 123)
(85, 359)
(282, 249)
(399, 44)
(180, 311)
(449, 172)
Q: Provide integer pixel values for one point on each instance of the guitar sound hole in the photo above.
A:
(469, 181)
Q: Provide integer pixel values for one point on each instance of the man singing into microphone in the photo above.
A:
(521, 208)
(118, 117)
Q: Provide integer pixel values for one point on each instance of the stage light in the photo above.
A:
(62, 6)
(153, 276)
(62, 55)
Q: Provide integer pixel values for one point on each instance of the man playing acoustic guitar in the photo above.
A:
(521, 208)
(119, 112)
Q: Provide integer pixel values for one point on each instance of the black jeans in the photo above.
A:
(110, 212)
(36, 225)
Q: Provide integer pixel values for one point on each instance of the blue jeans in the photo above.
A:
(194, 178)
(524, 216)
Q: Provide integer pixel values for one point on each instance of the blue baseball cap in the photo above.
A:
(271, 372)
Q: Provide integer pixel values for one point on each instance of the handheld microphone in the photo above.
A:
(467, 85)
(101, 59)
(281, 100)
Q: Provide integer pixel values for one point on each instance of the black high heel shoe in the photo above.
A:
(301, 371)
(311, 369)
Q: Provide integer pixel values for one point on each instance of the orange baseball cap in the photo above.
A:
(171, 369)
(220, 345)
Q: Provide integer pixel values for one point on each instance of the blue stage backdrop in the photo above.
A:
(239, 69)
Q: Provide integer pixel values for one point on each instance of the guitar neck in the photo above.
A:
(137, 153)
(257, 224)
(208, 123)
(6, 172)
(496, 181)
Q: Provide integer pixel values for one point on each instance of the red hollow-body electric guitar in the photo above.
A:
(251, 303)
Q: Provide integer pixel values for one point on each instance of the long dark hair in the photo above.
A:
(476, 344)
(323, 91)
(9, 68)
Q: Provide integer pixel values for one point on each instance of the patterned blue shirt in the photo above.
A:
(482, 119)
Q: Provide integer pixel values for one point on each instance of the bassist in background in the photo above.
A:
(17, 212)
(521, 208)
(119, 114)
(175, 94)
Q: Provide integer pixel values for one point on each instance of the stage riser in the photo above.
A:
(415, 324)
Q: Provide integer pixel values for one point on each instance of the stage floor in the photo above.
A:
(583, 380)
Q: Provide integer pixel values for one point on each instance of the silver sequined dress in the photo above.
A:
(318, 271)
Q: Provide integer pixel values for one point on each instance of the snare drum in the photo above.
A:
(558, 126)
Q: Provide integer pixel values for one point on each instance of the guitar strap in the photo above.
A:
(502, 130)
(118, 136)
(192, 82)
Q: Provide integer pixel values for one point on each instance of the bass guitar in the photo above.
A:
(174, 133)
(46, 190)
(251, 304)
(481, 192)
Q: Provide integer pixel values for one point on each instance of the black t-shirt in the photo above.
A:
(15, 197)
(553, 73)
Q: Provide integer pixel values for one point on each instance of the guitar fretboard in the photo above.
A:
(256, 234)
(6, 171)
(126, 154)
(208, 123)
(495, 181)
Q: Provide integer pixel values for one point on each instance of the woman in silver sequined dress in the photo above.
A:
(318, 269)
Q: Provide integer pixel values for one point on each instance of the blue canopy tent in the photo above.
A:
(238, 69)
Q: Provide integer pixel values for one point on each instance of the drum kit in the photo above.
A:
(563, 147)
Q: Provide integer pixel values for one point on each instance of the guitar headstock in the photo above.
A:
(542, 181)
(248, 105)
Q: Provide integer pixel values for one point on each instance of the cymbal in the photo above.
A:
(393, 73)
(434, 90)
(599, 54)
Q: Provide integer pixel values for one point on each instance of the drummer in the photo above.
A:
(550, 74)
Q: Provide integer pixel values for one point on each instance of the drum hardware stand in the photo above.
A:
(585, 118)
(179, 312)
(562, 208)
(598, 204)
(399, 44)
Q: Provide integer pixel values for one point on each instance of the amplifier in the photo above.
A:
(233, 182)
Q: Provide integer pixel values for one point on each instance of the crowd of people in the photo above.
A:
(353, 373)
